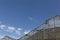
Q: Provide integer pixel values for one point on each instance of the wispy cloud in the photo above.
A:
(18, 32)
(11, 29)
(19, 28)
(30, 18)
(2, 26)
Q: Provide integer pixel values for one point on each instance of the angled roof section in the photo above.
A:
(50, 23)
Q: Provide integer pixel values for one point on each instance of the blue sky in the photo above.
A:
(17, 17)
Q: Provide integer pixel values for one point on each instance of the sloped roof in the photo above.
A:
(8, 38)
(47, 24)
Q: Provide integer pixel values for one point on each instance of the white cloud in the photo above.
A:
(2, 26)
(19, 29)
(11, 29)
(26, 32)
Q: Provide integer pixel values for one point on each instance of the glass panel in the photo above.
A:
(51, 23)
(57, 21)
(45, 31)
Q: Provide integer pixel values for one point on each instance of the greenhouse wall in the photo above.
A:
(50, 30)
